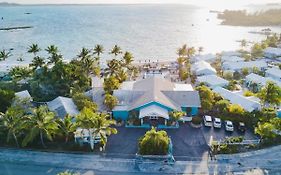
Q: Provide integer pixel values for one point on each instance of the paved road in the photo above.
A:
(14, 162)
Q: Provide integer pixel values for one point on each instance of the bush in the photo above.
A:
(6, 97)
(196, 120)
(82, 101)
(154, 143)
(248, 94)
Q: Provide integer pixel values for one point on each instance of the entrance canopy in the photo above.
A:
(154, 111)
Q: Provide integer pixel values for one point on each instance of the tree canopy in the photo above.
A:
(154, 143)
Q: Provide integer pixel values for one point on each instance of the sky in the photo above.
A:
(193, 2)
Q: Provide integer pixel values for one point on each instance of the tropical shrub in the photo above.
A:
(154, 143)
(6, 97)
(196, 120)
(82, 101)
(110, 101)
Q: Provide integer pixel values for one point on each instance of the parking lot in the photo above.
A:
(211, 133)
(189, 143)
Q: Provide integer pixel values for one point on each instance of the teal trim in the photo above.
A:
(168, 127)
(154, 103)
(279, 114)
(123, 115)
(141, 126)
(193, 112)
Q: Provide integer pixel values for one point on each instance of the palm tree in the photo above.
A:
(84, 53)
(113, 66)
(243, 43)
(200, 50)
(34, 48)
(41, 122)
(122, 75)
(54, 56)
(103, 128)
(133, 72)
(128, 59)
(110, 101)
(52, 49)
(182, 51)
(270, 94)
(11, 121)
(89, 65)
(4, 55)
(116, 50)
(37, 62)
(98, 50)
(18, 73)
(190, 52)
(66, 126)
(96, 124)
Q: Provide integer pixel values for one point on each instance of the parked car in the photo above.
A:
(229, 126)
(207, 120)
(241, 127)
(217, 123)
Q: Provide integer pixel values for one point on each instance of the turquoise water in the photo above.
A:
(149, 31)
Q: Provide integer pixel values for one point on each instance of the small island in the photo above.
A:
(16, 28)
(7, 4)
(270, 17)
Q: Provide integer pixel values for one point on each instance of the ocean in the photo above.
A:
(148, 31)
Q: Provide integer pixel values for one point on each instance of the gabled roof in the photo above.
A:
(206, 57)
(159, 90)
(152, 88)
(254, 78)
(23, 95)
(184, 98)
(229, 65)
(154, 110)
(274, 71)
(231, 58)
(63, 106)
(234, 98)
(212, 80)
(275, 52)
(201, 66)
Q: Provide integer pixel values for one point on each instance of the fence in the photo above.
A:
(244, 142)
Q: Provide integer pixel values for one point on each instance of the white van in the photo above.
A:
(207, 120)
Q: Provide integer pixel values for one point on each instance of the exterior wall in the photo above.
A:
(193, 112)
(153, 103)
(120, 115)
(279, 113)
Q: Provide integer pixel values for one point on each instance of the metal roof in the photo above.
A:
(234, 98)
(156, 89)
(23, 95)
(63, 106)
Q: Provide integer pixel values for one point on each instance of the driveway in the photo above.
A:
(211, 133)
(124, 143)
(188, 142)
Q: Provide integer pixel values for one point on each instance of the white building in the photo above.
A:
(259, 80)
(23, 95)
(230, 53)
(231, 59)
(63, 106)
(212, 81)
(273, 53)
(274, 73)
(208, 58)
(245, 102)
(237, 66)
(203, 68)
